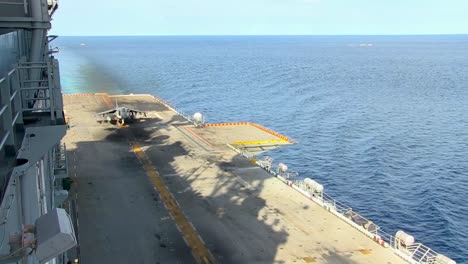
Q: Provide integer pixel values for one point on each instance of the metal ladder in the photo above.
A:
(39, 89)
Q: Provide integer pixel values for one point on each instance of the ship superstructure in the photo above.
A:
(33, 169)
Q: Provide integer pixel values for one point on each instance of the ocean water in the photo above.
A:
(381, 121)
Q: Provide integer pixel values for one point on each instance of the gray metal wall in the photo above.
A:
(14, 8)
(9, 50)
(13, 46)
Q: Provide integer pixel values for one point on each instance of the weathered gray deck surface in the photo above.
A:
(242, 213)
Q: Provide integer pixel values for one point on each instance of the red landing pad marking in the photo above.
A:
(82, 94)
(106, 99)
(264, 129)
(198, 136)
(227, 124)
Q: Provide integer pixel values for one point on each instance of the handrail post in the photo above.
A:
(6, 116)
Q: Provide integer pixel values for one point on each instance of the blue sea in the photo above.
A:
(381, 121)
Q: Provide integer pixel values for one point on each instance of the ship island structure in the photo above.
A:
(164, 188)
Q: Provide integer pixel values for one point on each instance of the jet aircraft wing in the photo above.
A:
(107, 112)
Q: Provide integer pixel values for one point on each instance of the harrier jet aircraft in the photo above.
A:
(120, 114)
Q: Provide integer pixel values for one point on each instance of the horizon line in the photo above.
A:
(266, 35)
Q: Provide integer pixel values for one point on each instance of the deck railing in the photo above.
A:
(177, 110)
(415, 253)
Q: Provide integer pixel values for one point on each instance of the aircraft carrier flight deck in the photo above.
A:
(162, 190)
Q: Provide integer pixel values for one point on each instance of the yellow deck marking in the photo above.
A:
(191, 237)
(365, 251)
(309, 259)
(260, 142)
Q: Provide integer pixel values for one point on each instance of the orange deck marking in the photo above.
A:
(198, 136)
(264, 129)
(105, 97)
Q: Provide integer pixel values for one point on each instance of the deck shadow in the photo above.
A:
(122, 216)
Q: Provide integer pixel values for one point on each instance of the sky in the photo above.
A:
(260, 17)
